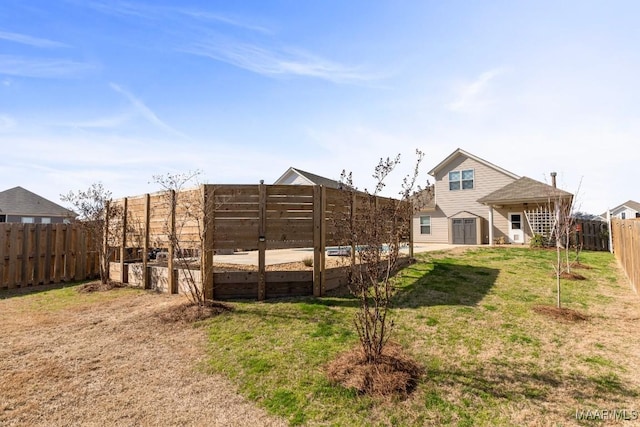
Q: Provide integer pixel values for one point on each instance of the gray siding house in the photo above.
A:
(294, 176)
(20, 205)
(628, 210)
(477, 202)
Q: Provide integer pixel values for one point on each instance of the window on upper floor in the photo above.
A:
(461, 180)
(425, 225)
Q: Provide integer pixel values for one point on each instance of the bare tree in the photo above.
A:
(375, 228)
(186, 227)
(95, 211)
(561, 233)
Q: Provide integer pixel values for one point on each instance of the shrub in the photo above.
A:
(537, 241)
(308, 261)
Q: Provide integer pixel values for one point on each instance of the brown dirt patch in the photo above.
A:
(560, 313)
(572, 276)
(580, 265)
(98, 286)
(394, 374)
(111, 362)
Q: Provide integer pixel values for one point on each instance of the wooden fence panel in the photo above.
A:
(592, 235)
(36, 254)
(626, 247)
(253, 217)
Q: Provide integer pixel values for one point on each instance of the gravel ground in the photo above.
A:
(112, 363)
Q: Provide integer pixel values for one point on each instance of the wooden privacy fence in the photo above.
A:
(626, 247)
(592, 235)
(216, 218)
(37, 254)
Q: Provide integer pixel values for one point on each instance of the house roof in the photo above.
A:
(524, 190)
(18, 201)
(628, 204)
(460, 152)
(424, 200)
(312, 178)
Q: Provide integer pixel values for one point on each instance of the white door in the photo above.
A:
(516, 227)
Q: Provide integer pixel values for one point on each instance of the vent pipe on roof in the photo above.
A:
(553, 179)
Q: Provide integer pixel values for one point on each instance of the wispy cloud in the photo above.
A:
(470, 95)
(104, 122)
(29, 40)
(271, 62)
(120, 8)
(138, 10)
(6, 122)
(145, 111)
(42, 68)
(225, 19)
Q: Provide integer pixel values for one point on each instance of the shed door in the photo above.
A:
(464, 231)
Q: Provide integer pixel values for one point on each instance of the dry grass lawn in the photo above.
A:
(109, 358)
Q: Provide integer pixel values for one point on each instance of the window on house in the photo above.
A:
(45, 220)
(516, 222)
(3, 218)
(461, 180)
(637, 214)
(623, 215)
(27, 220)
(425, 225)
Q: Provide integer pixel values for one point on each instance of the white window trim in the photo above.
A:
(27, 220)
(460, 171)
(420, 219)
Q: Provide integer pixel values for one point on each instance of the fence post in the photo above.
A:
(317, 240)
(610, 231)
(3, 244)
(59, 248)
(13, 255)
(173, 283)
(123, 241)
(26, 234)
(206, 249)
(262, 243)
(145, 243)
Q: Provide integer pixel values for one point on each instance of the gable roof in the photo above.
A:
(524, 190)
(18, 201)
(628, 204)
(424, 200)
(312, 178)
(460, 152)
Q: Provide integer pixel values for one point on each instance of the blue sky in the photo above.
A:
(119, 91)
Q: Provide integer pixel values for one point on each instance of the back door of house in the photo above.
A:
(464, 231)
(516, 232)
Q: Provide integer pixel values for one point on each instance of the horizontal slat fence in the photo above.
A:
(626, 247)
(37, 254)
(248, 217)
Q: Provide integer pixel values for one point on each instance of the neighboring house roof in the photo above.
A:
(524, 190)
(311, 178)
(18, 201)
(459, 152)
(424, 200)
(630, 204)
